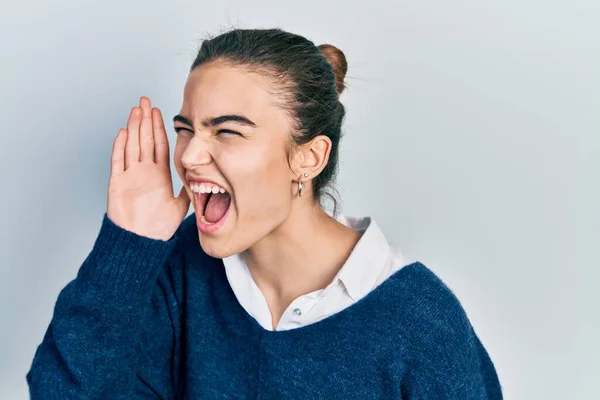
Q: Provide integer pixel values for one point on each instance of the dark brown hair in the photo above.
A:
(310, 80)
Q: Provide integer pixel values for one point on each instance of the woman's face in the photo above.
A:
(235, 140)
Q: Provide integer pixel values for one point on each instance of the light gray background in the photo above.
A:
(472, 137)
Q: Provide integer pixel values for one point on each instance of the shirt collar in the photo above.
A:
(362, 268)
(367, 259)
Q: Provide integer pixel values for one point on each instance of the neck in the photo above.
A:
(302, 255)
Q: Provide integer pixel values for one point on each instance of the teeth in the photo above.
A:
(205, 221)
(206, 188)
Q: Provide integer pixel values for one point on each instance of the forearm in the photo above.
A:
(91, 343)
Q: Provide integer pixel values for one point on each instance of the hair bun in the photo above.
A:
(337, 59)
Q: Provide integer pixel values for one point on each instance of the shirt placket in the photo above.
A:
(297, 312)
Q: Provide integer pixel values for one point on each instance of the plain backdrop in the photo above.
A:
(472, 138)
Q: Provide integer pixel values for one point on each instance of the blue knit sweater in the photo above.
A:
(157, 319)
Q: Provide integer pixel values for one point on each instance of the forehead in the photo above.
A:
(219, 89)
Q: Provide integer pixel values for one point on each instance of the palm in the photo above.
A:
(140, 192)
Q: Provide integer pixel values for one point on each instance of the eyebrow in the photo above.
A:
(238, 119)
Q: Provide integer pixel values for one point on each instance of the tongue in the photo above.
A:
(216, 207)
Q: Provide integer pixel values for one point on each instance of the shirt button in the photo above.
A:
(297, 311)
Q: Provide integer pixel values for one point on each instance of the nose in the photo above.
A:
(197, 152)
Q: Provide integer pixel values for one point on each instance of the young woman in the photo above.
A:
(260, 293)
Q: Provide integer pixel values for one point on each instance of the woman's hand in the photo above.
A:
(140, 189)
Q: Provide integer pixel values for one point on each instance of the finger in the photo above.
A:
(132, 147)
(146, 135)
(161, 143)
(183, 202)
(117, 160)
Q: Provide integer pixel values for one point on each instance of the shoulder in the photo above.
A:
(426, 288)
(444, 354)
(430, 309)
(429, 290)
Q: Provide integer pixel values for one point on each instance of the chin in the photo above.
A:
(213, 248)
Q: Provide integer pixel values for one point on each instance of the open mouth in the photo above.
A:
(212, 202)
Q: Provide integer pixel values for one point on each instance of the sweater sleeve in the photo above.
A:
(449, 359)
(104, 320)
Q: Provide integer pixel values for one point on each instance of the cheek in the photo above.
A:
(260, 178)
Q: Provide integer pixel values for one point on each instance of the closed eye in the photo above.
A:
(219, 132)
(228, 132)
(179, 129)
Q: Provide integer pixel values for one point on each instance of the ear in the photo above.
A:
(311, 158)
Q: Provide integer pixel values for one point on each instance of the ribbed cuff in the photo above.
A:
(124, 266)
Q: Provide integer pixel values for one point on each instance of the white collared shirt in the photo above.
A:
(371, 262)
